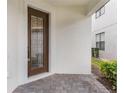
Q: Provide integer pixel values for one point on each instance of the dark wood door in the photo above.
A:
(38, 34)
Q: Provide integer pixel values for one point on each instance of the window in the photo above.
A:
(100, 12)
(100, 41)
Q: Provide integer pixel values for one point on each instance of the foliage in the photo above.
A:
(108, 68)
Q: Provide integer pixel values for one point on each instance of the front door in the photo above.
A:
(38, 23)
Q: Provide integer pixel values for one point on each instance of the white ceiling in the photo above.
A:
(68, 2)
(89, 6)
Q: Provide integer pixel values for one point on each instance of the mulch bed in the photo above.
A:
(102, 79)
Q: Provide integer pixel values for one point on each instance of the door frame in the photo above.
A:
(46, 39)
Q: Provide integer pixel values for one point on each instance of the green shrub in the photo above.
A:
(97, 62)
(109, 69)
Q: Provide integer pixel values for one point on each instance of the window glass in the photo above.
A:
(97, 37)
(102, 45)
(97, 45)
(36, 42)
(97, 14)
(102, 36)
(102, 10)
(100, 41)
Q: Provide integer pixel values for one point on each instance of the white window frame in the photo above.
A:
(100, 12)
(100, 40)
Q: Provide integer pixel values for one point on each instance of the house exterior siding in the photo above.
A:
(67, 51)
(69, 41)
(106, 23)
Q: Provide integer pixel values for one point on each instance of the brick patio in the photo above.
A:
(63, 83)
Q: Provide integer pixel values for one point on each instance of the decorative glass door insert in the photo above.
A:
(37, 42)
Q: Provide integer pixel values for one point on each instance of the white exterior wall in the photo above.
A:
(107, 23)
(12, 44)
(73, 35)
(70, 41)
(17, 41)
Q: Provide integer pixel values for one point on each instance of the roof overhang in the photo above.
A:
(89, 7)
(92, 7)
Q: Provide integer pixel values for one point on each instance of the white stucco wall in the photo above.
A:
(70, 41)
(110, 16)
(73, 35)
(12, 43)
(17, 41)
(107, 23)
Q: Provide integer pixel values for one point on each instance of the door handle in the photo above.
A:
(29, 59)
